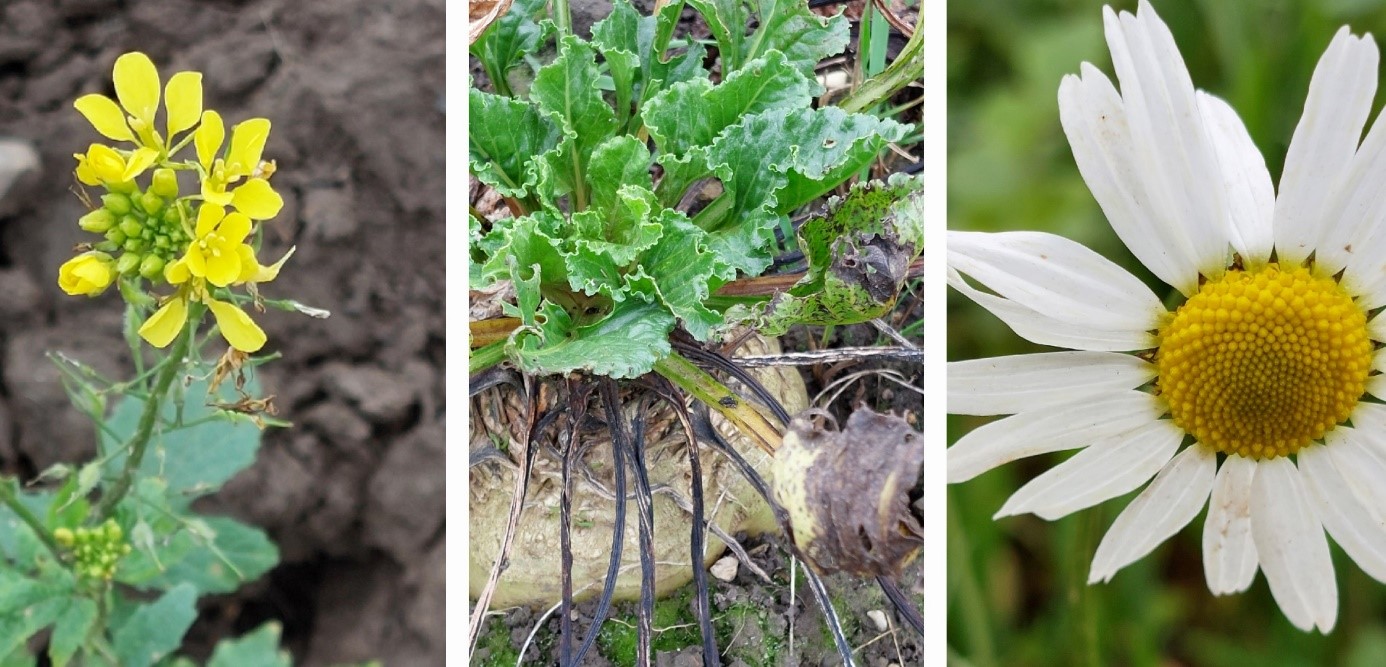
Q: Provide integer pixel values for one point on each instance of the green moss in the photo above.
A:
(496, 641)
(674, 624)
(733, 620)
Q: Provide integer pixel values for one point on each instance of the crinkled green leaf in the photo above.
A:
(155, 629)
(743, 247)
(627, 41)
(679, 269)
(619, 162)
(566, 89)
(71, 630)
(858, 256)
(694, 112)
(509, 38)
(504, 136)
(259, 648)
(782, 25)
(195, 460)
(624, 344)
(527, 242)
(782, 159)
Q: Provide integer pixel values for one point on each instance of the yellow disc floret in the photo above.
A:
(1261, 363)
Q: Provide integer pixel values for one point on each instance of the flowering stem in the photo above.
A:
(8, 497)
(139, 442)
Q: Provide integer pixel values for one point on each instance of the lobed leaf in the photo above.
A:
(260, 648)
(626, 343)
(156, 629)
(509, 38)
(503, 137)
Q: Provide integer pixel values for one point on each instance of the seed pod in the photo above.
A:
(848, 492)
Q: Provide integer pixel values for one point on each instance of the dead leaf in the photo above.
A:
(481, 14)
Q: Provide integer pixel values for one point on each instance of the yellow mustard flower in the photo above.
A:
(239, 330)
(255, 198)
(103, 164)
(214, 252)
(89, 273)
(137, 88)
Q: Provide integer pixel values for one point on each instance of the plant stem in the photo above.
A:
(486, 357)
(8, 497)
(717, 396)
(907, 68)
(562, 17)
(139, 442)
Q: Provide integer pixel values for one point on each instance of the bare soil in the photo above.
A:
(354, 493)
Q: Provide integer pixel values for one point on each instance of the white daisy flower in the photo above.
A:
(1258, 396)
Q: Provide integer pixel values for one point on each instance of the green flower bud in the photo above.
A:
(115, 236)
(171, 217)
(127, 263)
(151, 267)
(117, 203)
(162, 241)
(106, 246)
(151, 203)
(123, 187)
(147, 234)
(97, 221)
(63, 536)
(134, 245)
(165, 183)
(131, 226)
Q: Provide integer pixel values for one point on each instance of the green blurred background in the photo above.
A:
(1017, 591)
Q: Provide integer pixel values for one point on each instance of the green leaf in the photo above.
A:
(533, 240)
(18, 543)
(567, 90)
(727, 20)
(71, 630)
(617, 163)
(858, 256)
(193, 460)
(679, 269)
(231, 555)
(27, 606)
(694, 112)
(628, 42)
(783, 159)
(624, 344)
(259, 648)
(504, 136)
(804, 37)
(509, 38)
(154, 630)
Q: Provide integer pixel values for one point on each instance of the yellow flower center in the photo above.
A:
(1261, 363)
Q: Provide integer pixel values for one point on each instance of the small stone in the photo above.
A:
(878, 618)
(725, 568)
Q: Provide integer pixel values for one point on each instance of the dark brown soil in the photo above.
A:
(353, 494)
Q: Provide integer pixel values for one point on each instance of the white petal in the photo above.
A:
(1360, 457)
(1007, 385)
(1038, 327)
(1321, 151)
(1354, 237)
(1106, 469)
(1168, 139)
(1168, 504)
(1042, 431)
(1376, 386)
(1248, 192)
(1056, 276)
(1355, 526)
(1291, 546)
(1095, 123)
(1229, 554)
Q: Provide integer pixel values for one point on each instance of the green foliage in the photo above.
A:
(260, 648)
(605, 259)
(159, 544)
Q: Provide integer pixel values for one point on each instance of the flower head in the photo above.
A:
(1264, 366)
(89, 274)
(255, 198)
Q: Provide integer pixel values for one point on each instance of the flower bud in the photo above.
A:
(114, 235)
(151, 203)
(89, 273)
(116, 203)
(131, 226)
(134, 245)
(63, 536)
(152, 268)
(171, 217)
(97, 221)
(128, 262)
(165, 183)
(123, 187)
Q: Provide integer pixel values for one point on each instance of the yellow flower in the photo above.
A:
(103, 164)
(239, 330)
(137, 88)
(215, 253)
(256, 198)
(89, 273)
